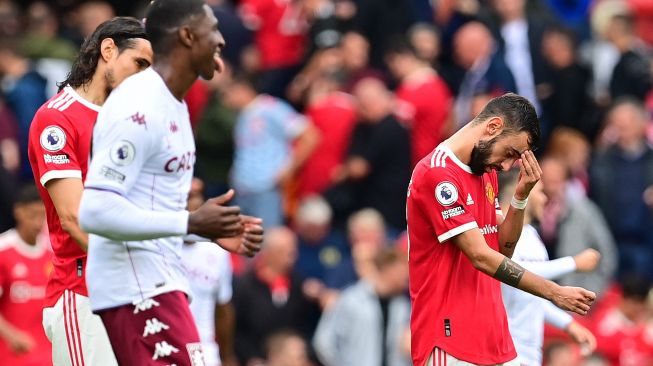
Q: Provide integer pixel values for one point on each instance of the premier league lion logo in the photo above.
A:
(446, 193)
(53, 139)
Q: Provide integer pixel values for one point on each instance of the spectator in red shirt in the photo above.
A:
(25, 263)
(623, 330)
(280, 37)
(425, 99)
(334, 115)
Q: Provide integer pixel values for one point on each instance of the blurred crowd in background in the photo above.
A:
(325, 107)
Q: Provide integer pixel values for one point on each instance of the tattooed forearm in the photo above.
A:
(509, 244)
(509, 272)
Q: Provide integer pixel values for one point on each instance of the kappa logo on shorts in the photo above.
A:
(53, 138)
(154, 326)
(146, 304)
(195, 353)
(163, 349)
(446, 193)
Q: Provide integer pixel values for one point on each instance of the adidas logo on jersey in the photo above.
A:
(146, 304)
(470, 201)
(163, 349)
(154, 326)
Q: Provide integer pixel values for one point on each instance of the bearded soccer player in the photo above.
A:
(459, 240)
(134, 201)
(59, 143)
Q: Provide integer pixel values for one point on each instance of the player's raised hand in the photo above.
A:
(529, 174)
(587, 260)
(574, 299)
(215, 220)
(249, 242)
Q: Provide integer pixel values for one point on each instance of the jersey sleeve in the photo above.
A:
(54, 146)
(123, 140)
(443, 198)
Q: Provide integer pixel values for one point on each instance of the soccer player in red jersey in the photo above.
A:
(25, 262)
(459, 240)
(58, 149)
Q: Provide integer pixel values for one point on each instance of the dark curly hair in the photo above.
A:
(122, 30)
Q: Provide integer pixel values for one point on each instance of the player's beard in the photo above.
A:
(480, 158)
(110, 80)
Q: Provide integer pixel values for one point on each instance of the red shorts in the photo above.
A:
(157, 331)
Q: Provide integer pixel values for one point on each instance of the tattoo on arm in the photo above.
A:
(509, 244)
(509, 272)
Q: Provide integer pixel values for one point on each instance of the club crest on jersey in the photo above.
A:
(123, 153)
(446, 193)
(489, 192)
(53, 138)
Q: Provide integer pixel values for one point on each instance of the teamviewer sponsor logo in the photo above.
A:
(453, 212)
(489, 229)
(56, 159)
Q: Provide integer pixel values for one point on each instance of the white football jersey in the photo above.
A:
(526, 312)
(143, 149)
(209, 272)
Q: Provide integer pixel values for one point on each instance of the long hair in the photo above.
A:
(122, 30)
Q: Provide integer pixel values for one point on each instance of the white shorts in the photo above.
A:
(78, 336)
(439, 357)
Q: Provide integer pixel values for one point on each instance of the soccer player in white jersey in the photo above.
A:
(209, 272)
(58, 150)
(527, 313)
(134, 201)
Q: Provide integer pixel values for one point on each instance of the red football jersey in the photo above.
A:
(24, 271)
(58, 147)
(427, 103)
(279, 30)
(455, 307)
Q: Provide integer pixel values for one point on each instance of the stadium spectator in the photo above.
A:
(355, 50)
(51, 54)
(272, 142)
(457, 312)
(377, 174)
(136, 192)
(209, 272)
(570, 225)
(60, 139)
(90, 15)
(280, 30)
(365, 325)
(566, 102)
(573, 149)
(270, 297)
(286, 348)
(519, 34)
(214, 138)
(619, 177)
(425, 40)
(25, 263)
(485, 70)
(631, 75)
(333, 113)
(424, 99)
(367, 234)
(321, 249)
(527, 313)
(23, 89)
(623, 327)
